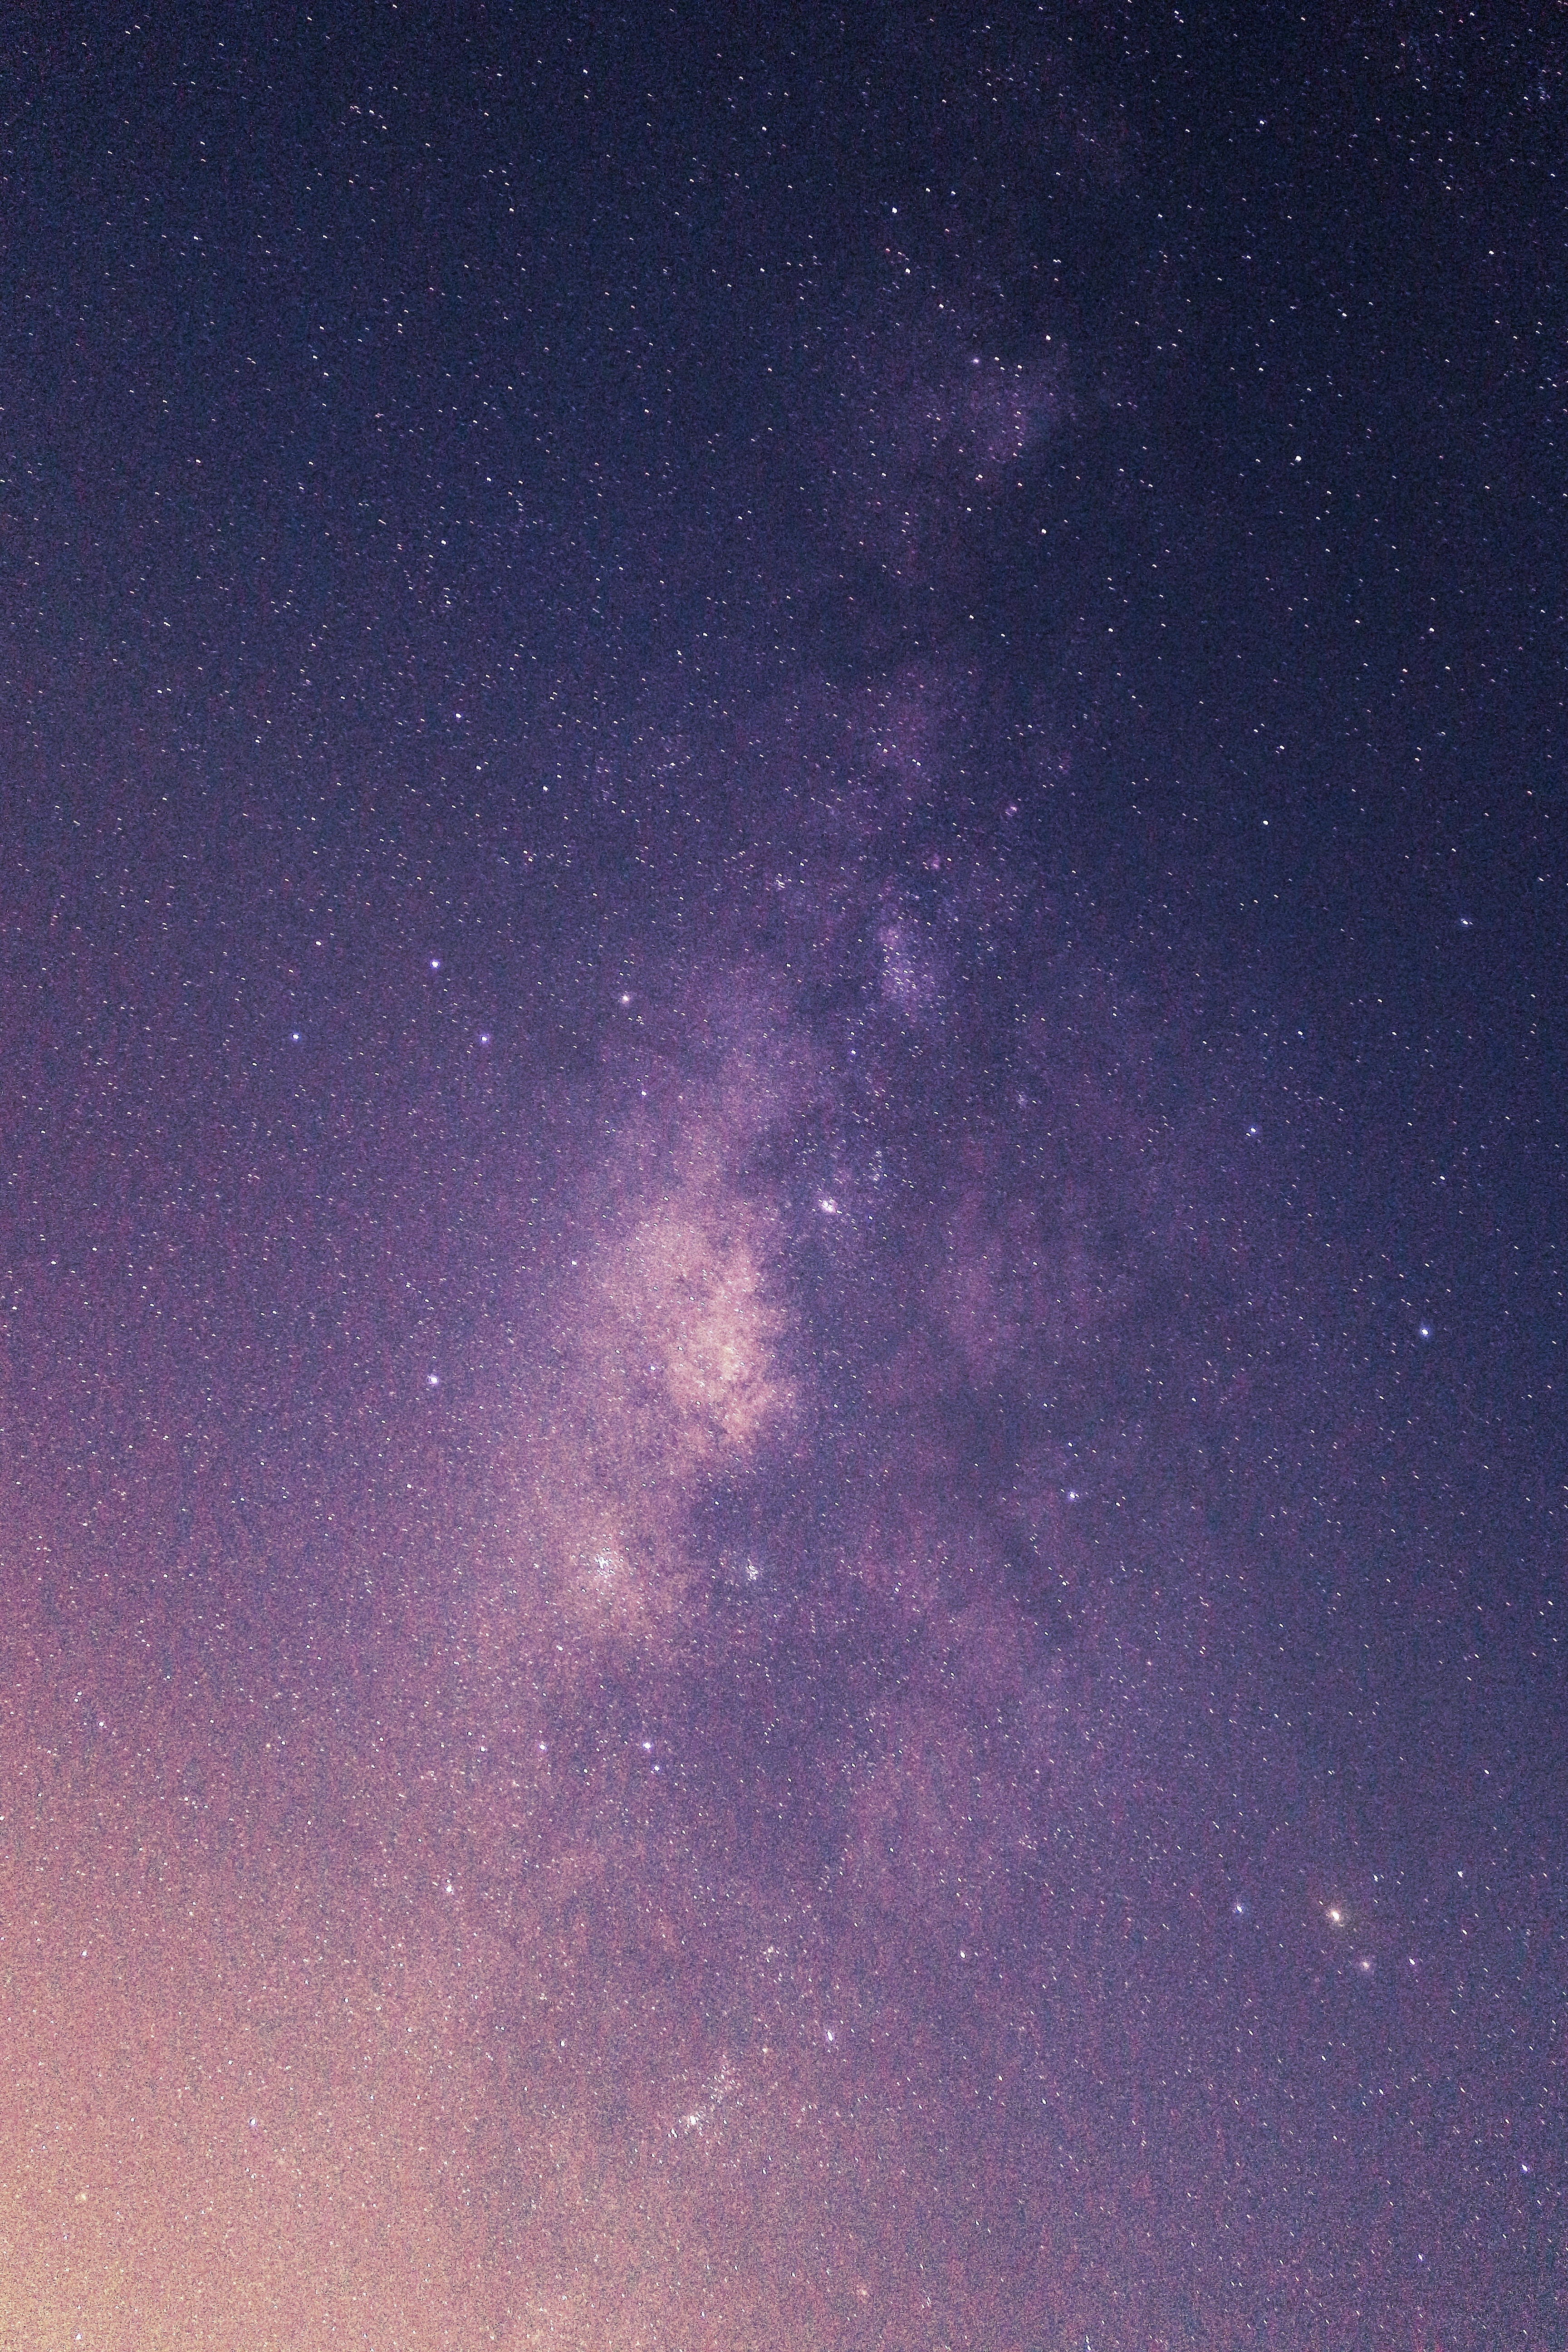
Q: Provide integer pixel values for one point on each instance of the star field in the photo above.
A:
(781, 1306)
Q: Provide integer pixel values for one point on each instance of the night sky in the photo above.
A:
(784, 959)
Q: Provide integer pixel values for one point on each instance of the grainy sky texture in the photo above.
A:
(782, 1182)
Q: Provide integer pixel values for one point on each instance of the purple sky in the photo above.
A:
(781, 1290)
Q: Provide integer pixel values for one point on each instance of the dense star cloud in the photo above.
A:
(779, 1371)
